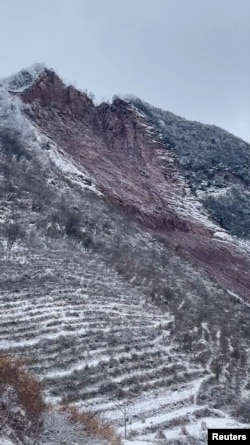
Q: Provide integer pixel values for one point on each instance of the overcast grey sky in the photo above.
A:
(191, 57)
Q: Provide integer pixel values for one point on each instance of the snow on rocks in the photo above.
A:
(13, 118)
(23, 79)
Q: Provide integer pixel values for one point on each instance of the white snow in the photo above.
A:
(22, 80)
(238, 298)
(222, 236)
(66, 166)
(4, 441)
(11, 116)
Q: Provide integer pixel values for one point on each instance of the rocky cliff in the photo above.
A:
(136, 169)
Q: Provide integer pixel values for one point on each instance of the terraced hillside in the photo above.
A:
(95, 341)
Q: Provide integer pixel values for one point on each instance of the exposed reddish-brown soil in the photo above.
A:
(115, 146)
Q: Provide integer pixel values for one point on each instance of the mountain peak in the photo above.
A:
(24, 78)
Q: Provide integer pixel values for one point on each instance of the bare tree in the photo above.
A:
(13, 232)
(125, 409)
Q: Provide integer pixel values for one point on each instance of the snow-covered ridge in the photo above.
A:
(13, 119)
(22, 80)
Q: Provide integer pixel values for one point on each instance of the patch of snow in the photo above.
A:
(22, 80)
(161, 418)
(223, 236)
(215, 192)
(66, 166)
(245, 245)
(12, 117)
(195, 428)
(5, 441)
(238, 298)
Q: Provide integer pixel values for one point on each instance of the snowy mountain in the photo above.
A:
(215, 163)
(23, 79)
(121, 287)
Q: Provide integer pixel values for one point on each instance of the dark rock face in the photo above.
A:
(133, 169)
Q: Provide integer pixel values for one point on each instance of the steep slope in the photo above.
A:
(215, 163)
(118, 148)
(108, 302)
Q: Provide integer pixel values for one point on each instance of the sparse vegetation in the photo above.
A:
(11, 145)
(231, 210)
(21, 396)
(13, 232)
(23, 410)
(94, 426)
(211, 160)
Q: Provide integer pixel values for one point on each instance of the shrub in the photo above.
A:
(21, 396)
(231, 210)
(72, 225)
(13, 232)
(108, 387)
(160, 293)
(243, 410)
(94, 426)
(10, 141)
